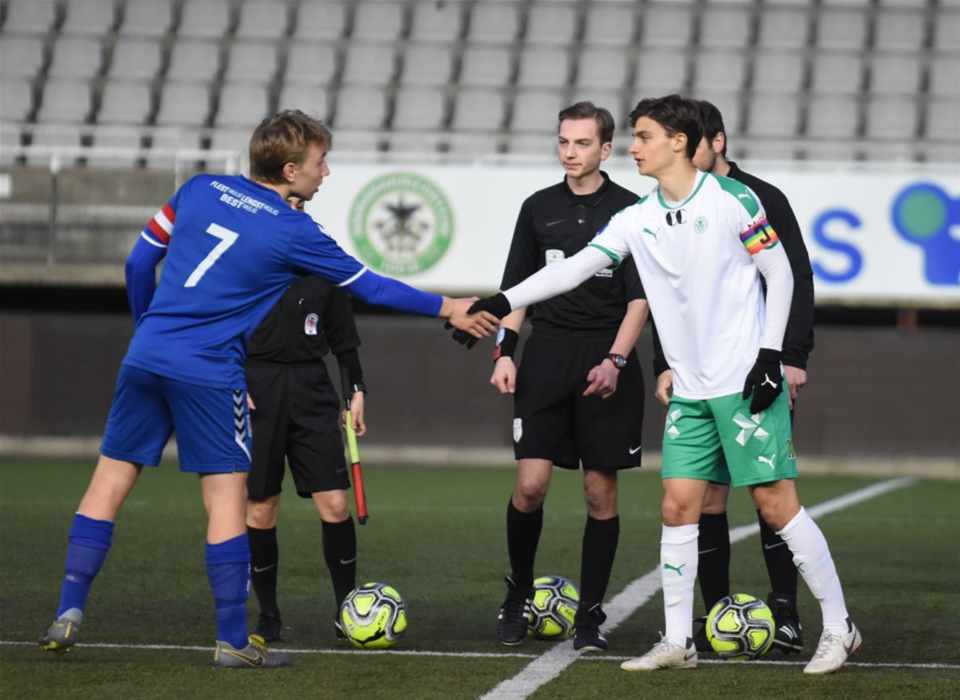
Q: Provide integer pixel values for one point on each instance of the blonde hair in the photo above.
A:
(281, 139)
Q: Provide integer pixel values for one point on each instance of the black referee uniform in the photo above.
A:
(298, 412)
(572, 333)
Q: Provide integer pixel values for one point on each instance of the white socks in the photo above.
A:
(812, 556)
(678, 570)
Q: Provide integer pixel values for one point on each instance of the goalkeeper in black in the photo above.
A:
(578, 393)
(295, 417)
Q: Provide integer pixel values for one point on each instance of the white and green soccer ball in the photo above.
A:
(740, 627)
(553, 606)
(374, 616)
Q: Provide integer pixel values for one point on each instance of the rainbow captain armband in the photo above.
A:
(760, 235)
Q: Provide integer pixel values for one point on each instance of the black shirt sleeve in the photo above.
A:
(339, 325)
(524, 256)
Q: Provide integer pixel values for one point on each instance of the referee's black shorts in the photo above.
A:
(297, 418)
(554, 421)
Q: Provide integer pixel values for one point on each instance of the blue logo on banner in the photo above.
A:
(923, 214)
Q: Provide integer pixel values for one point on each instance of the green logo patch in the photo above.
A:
(700, 224)
(401, 224)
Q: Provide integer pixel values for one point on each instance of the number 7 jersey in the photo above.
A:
(232, 248)
(696, 263)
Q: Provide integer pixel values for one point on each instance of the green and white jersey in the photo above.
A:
(696, 263)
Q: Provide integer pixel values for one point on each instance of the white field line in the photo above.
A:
(477, 655)
(551, 664)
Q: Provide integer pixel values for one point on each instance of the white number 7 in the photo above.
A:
(227, 239)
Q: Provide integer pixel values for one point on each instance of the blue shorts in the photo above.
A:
(212, 425)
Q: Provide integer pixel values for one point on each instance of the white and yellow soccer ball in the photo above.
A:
(740, 627)
(374, 616)
(552, 608)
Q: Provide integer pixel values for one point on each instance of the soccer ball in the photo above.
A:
(552, 608)
(373, 616)
(740, 627)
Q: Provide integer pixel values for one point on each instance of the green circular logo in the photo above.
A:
(922, 214)
(700, 225)
(401, 223)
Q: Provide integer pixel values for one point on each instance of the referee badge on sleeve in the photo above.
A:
(310, 324)
(517, 429)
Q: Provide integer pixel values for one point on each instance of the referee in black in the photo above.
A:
(578, 394)
(714, 543)
(295, 415)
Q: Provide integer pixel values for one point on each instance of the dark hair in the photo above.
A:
(588, 110)
(712, 123)
(675, 114)
(281, 139)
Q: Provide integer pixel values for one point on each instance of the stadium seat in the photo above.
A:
(895, 73)
(242, 103)
(832, 117)
(478, 109)
(50, 137)
(89, 17)
(553, 23)
(124, 102)
(783, 27)
(610, 24)
(369, 64)
(778, 72)
(359, 142)
(473, 146)
(252, 60)
(944, 75)
(536, 111)
(427, 64)
(899, 30)
(377, 21)
(360, 107)
(173, 148)
(419, 108)
(666, 25)
(208, 19)
(946, 29)
(485, 66)
(942, 122)
(773, 115)
(136, 57)
(841, 28)
(726, 26)
(193, 60)
(310, 62)
(322, 21)
(837, 73)
(892, 117)
(494, 23)
(183, 104)
(16, 99)
(602, 68)
(20, 56)
(230, 139)
(312, 99)
(33, 17)
(126, 140)
(76, 57)
(65, 101)
(660, 72)
(436, 22)
(544, 66)
(719, 69)
(263, 19)
(146, 18)
(533, 144)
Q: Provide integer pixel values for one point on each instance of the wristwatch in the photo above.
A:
(358, 387)
(619, 361)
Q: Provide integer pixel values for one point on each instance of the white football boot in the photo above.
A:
(664, 655)
(834, 650)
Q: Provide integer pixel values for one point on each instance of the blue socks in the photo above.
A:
(228, 568)
(89, 543)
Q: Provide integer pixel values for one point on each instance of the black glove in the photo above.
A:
(764, 380)
(498, 305)
(461, 337)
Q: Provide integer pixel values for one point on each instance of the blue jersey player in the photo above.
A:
(232, 246)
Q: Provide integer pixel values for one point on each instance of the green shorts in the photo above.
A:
(719, 440)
